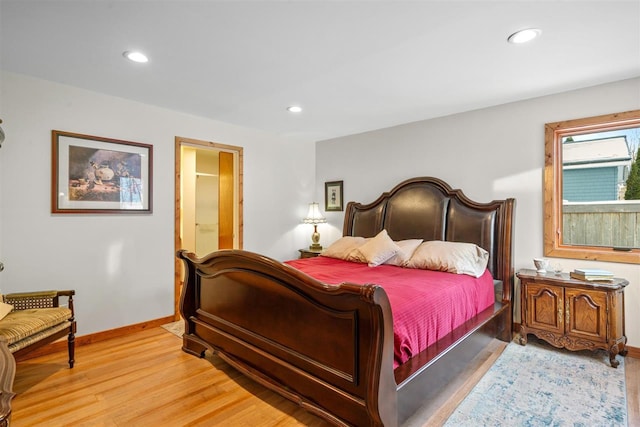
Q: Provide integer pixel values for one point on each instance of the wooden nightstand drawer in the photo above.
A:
(308, 253)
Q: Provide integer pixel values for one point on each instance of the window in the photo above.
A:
(588, 163)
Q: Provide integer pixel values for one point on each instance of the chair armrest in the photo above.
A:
(39, 299)
(7, 374)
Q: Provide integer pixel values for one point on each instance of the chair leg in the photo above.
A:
(72, 346)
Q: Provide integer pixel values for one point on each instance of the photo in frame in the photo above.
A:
(333, 196)
(92, 174)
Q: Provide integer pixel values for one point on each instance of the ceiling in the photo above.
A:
(353, 66)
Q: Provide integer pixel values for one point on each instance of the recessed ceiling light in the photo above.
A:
(135, 56)
(294, 109)
(524, 36)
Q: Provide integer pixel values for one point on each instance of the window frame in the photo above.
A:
(554, 132)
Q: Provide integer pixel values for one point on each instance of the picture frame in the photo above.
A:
(97, 175)
(333, 199)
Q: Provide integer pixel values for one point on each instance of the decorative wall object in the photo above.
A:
(92, 174)
(1, 134)
(333, 196)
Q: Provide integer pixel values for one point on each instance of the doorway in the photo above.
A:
(208, 200)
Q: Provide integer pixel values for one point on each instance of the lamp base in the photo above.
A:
(315, 239)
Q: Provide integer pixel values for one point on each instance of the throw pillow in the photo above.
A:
(379, 249)
(5, 309)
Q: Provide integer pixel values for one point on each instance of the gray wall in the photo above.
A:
(122, 266)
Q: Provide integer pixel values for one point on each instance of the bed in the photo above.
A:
(330, 348)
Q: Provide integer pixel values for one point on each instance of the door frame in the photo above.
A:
(199, 144)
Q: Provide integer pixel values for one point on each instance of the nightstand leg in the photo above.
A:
(617, 348)
(612, 357)
(523, 336)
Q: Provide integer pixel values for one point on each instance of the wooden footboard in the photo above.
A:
(328, 348)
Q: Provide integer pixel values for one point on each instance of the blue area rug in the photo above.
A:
(539, 385)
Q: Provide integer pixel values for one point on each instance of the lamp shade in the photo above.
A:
(314, 216)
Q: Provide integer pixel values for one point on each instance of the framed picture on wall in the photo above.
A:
(96, 175)
(333, 196)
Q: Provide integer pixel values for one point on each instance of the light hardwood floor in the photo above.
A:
(144, 379)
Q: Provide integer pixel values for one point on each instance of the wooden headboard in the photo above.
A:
(428, 208)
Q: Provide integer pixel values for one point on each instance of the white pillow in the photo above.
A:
(379, 249)
(342, 247)
(453, 257)
(5, 309)
(407, 248)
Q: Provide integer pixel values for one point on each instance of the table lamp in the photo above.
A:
(314, 217)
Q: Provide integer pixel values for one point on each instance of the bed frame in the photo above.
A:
(329, 348)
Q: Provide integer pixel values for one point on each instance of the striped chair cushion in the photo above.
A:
(22, 324)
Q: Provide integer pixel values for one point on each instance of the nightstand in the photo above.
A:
(308, 253)
(573, 314)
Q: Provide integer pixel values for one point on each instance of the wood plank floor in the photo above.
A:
(144, 379)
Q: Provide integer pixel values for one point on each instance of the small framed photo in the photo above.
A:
(92, 174)
(333, 196)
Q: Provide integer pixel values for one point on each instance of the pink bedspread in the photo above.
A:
(426, 305)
